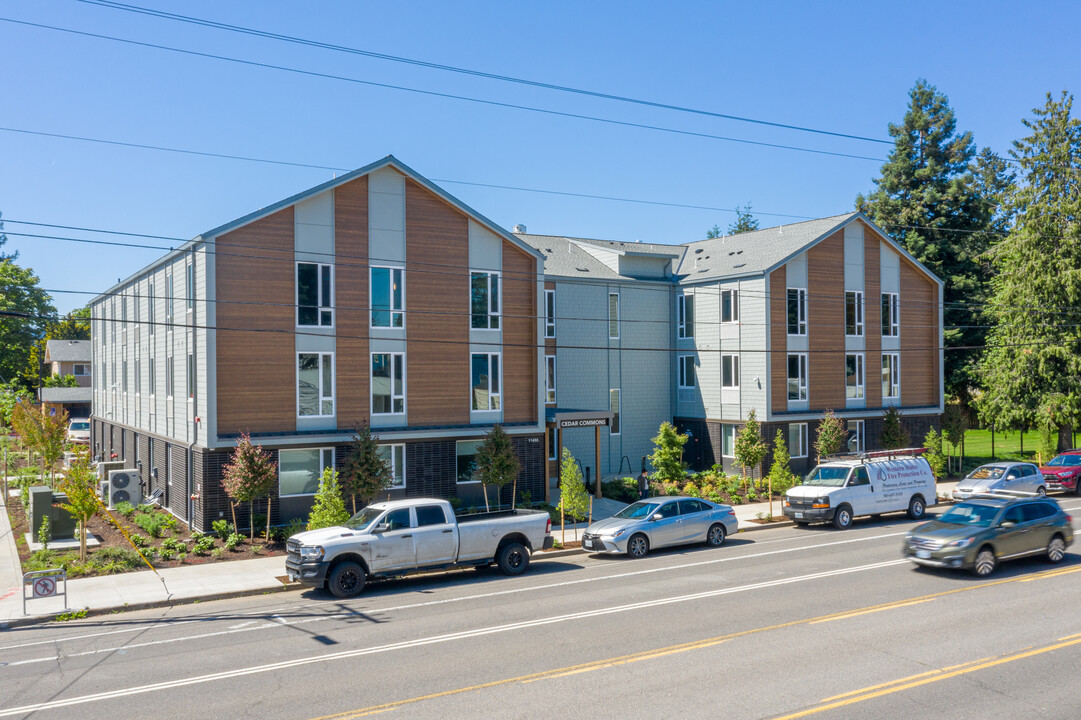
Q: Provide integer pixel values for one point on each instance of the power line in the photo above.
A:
(433, 93)
(465, 71)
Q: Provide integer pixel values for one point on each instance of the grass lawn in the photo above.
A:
(1007, 446)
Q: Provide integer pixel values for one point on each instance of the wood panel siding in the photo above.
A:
(519, 335)
(919, 337)
(256, 373)
(872, 317)
(826, 323)
(351, 298)
(437, 300)
(777, 317)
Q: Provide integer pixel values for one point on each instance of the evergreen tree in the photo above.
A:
(744, 222)
(893, 436)
(714, 232)
(497, 464)
(366, 472)
(830, 436)
(750, 448)
(3, 241)
(780, 475)
(667, 457)
(250, 474)
(1033, 362)
(932, 443)
(328, 510)
(928, 199)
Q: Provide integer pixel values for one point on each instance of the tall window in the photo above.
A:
(685, 366)
(388, 293)
(797, 440)
(797, 376)
(891, 375)
(138, 374)
(549, 313)
(613, 316)
(189, 286)
(891, 315)
(136, 301)
(729, 306)
(153, 377)
(854, 313)
(728, 440)
(729, 371)
(388, 383)
(315, 384)
(124, 375)
(484, 300)
(685, 315)
(549, 378)
(170, 374)
(486, 388)
(394, 456)
(854, 376)
(169, 297)
(151, 302)
(615, 404)
(315, 294)
(855, 437)
(797, 311)
(299, 471)
(191, 376)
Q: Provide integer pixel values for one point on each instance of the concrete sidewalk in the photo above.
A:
(193, 583)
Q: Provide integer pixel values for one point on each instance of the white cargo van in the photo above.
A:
(843, 487)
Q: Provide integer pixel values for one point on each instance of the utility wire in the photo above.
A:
(433, 93)
(465, 71)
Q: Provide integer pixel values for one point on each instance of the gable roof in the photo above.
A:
(68, 351)
(567, 256)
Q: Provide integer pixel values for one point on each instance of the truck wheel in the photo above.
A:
(842, 519)
(916, 508)
(715, 535)
(638, 546)
(513, 559)
(346, 580)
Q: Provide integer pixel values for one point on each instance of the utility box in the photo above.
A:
(42, 504)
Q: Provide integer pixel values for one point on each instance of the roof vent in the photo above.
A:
(548, 250)
(582, 269)
(739, 265)
(739, 252)
(731, 252)
(519, 228)
(698, 251)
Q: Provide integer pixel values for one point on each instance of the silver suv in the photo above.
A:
(1019, 477)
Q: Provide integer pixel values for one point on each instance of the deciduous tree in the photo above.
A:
(750, 448)
(893, 435)
(250, 474)
(80, 484)
(25, 310)
(572, 490)
(780, 475)
(329, 507)
(497, 463)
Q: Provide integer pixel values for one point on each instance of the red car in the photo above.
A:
(1064, 472)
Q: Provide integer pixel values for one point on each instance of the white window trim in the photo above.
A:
(320, 397)
(456, 480)
(550, 316)
(619, 311)
(319, 309)
(550, 389)
(895, 375)
(801, 378)
(735, 371)
(801, 312)
(152, 369)
(498, 297)
(681, 316)
(858, 297)
(191, 377)
(726, 428)
(895, 314)
(498, 395)
(393, 468)
(322, 461)
(803, 450)
(619, 409)
(861, 377)
(860, 447)
(391, 312)
(189, 282)
(734, 301)
(681, 373)
(151, 302)
(168, 297)
(395, 359)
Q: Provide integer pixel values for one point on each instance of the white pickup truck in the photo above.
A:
(403, 536)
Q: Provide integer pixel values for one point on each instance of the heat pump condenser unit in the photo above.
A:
(124, 487)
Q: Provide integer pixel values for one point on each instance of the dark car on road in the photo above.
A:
(979, 533)
(1064, 471)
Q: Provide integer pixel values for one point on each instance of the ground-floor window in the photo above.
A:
(855, 436)
(299, 470)
(728, 440)
(394, 455)
(467, 460)
(797, 440)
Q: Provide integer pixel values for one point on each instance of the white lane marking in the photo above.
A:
(244, 624)
(278, 621)
(432, 640)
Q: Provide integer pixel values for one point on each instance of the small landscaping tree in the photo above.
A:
(667, 457)
(497, 463)
(780, 476)
(80, 484)
(573, 498)
(750, 448)
(366, 472)
(53, 440)
(26, 421)
(830, 436)
(954, 424)
(250, 474)
(329, 508)
(932, 442)
(893, 436)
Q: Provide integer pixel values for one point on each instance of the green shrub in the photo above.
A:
(173, 545)
(202, 544)
(294, 527)
(146, 508)
(125, 508)
(152, 523)
(223, 529)
(233, 541)
(169, 522)
(216, 552)
(45, 532)
(691, 490)
(167, 554)
(139, 540)
(623, 489)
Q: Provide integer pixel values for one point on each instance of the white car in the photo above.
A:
(79, 431)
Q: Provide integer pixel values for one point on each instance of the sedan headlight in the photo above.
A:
(311, 553)
(962, 543)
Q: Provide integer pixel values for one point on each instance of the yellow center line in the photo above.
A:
(708, 642)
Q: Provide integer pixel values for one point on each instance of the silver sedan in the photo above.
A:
(1010, 477)
(660, 522)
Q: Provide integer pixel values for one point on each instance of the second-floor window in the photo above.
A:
(315, 384)
(891, 375)
(685, 367)
(388, 383)
(549, 378)
(189, 285)
(797, 376)
(891, 315)
(484, 300)
(151, 301)
(549, 313)
(613, 316)
(153, 377)
(797, 311)
(315, 294)
(486, 386)
(854, 313)
(169, 297)
(729, 371)
(685, 315)
(854, 376)
(78, 370)
(729, 306)
(388, 297)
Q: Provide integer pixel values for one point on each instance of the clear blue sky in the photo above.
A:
(840, 66)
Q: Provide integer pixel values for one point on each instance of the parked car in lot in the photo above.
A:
(661, 522)
(1015, 477)
(1063, 472)
(79, 431)
(840, 489)
(979, 533)
(395, 538)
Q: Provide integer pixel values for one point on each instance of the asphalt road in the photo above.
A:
(785, 622)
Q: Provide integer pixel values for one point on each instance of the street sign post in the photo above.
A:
(45, 584)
